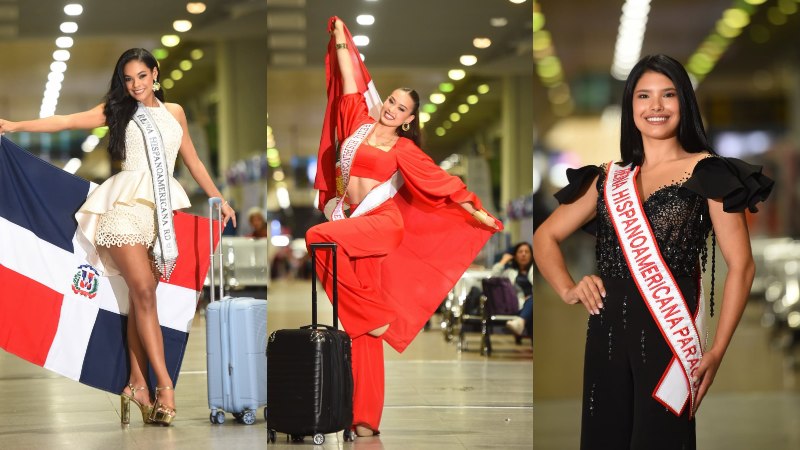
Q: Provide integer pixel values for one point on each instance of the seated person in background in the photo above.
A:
(517, 266)
(259, 225)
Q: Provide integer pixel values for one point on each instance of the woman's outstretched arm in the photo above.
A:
(345, 63)
(92, 118)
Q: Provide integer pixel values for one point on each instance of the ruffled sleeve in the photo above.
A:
(578, 179)
(740, 185)
(353, 113)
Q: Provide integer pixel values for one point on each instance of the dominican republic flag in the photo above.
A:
(328, 173)
(55, 311)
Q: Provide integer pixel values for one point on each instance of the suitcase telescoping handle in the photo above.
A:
(335, 300)
(215, 201)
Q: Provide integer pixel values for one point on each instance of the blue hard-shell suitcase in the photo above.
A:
(236, 336)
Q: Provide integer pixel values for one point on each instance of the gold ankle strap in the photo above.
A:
(163, 388)
(134, 389)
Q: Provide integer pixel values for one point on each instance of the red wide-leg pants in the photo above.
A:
(363, 243)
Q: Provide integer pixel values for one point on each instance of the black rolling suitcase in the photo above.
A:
(310, 375)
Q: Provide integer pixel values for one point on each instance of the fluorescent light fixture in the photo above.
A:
(472, 99)
(468, 60)
(455, 117)
(160, 53)
(55, 76)
(176, 74)
(185, 65)
(72, 165)
(361, 40)
(168, 83)
(182, 26)
(437, 98)
(498, 22)
(61, 55)
(628, 49)
(365, 19)
(170, 40)
(68, 27)
(283, 197)
(481, 42)
(196, 54)
(196, 7)
(64, 42)
(483, 89)
(463, 108)
(456, 74)
(53, 86)
(424, 117)
(73, 9)
(58, 66)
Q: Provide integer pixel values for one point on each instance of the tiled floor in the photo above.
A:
(435, 398)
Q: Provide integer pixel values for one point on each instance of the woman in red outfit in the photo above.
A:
(411, 231)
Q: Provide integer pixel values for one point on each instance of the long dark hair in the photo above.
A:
(691, 134)
(514, 262)
(413, 132)
(119, 105)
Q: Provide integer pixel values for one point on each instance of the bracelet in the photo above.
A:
(480, 215)
(342, 45)
(223, 204)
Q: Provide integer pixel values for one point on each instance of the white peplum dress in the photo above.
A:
(121, 211)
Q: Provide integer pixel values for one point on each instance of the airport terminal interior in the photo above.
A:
(250, 75)
(745, 68)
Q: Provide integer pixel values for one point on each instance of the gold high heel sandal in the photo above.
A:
(125, 406)
(160, 413)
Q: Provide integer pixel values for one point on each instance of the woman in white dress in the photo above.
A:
(118, 218)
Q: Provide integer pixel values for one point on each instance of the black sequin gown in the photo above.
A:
(625, 352)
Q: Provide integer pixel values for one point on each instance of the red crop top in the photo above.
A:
(374, 163)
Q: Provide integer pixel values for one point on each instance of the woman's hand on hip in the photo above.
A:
(589, 291)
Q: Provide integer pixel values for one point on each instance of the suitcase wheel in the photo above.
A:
(349, 435)
(271, 436)
(248, 418)
(319, 439)
(217, 418)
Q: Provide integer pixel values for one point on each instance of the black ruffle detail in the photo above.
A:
(578, 178)
(740, 185)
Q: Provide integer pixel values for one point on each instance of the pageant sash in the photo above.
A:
(165, 249)
(347, 155)
(657, 287)
(379, 194)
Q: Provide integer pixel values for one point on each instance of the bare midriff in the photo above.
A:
(359, 187)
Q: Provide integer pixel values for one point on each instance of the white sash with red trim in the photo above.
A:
(658, 288)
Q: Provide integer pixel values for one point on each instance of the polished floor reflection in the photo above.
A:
(754, 402)
(435, 398)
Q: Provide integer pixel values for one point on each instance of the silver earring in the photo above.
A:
(156, 86)
(405, 126)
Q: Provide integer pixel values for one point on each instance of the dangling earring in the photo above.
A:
(156, 86)
(405, 126)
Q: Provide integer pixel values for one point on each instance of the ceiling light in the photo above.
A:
(72, 165)
(447, 124)
(429, 108)
(196, 7)
(73, 9)
(472, 99)
(365, 19)
(58, 66)
(363, 58)
(481, 42)
(446, 87)
(176, 74)
(483, 89)
(360, 40)
(196, 54)
(440, 131)
(463, 108)
(424, 117)
(53, 85)
(170, 40)
(517, 1)
(68, 27)
(437, 98)
(498, 22)
(61, 55)
(182, 26)
(55, 76)
(49, 101)
(455, 117)
(168, 83)
(468, 60)
(456, 74)
(185, 65)
(160, 53)
(64, 42)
